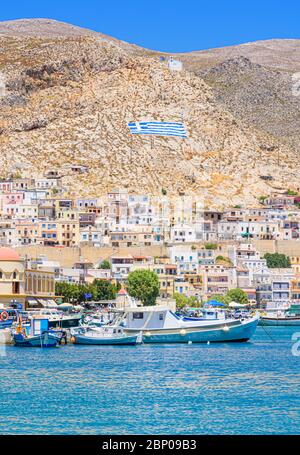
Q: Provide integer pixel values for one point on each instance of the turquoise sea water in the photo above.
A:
(230, 388)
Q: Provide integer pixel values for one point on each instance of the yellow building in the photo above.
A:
(295, 263)
(166, 275)
(68, 232)
(12, 277)
(196, 281)
(295, 289)
(27, 232)
(20, 285)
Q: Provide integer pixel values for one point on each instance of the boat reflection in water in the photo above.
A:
(161, 325)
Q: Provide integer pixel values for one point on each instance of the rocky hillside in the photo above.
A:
(267, 99)
(278, 54)
(66, 98)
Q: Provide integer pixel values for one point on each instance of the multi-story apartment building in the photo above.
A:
(281, 282)
(8, 234)
(218, 279)
(48, 233)
(27, 232)
(68, 232)
(185, 257)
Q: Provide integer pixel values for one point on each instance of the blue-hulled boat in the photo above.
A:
(160, 325)
(37, 334)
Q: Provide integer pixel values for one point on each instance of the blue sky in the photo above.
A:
(171, 25)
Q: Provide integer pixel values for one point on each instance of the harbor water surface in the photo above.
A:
(229, 388)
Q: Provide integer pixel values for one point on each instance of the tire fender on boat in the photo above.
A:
(4, 316)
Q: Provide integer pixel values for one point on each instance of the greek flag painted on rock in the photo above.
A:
(158, 128)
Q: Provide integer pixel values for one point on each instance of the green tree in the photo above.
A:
(184, 301)
(291, 193)
(237, 295)
(181, 300)
(194, 302)
(84, 289)
(277, 260)
(210, 246)
(76, 292)
(68, 291)
(224, 259)
(105, 264)
(105, 290)
(262, 199)
(143, 285)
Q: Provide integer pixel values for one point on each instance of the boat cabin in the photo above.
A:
(151, 317)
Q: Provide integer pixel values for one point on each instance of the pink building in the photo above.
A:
(6, 186)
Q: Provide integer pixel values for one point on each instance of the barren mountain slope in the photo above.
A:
(267, 99)
(257, 82)
(68, 100)
(279, 54)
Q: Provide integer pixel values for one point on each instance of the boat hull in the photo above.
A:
(6, 324)
(45, 340)
(126, 340)
(278, 322)
(238, 331)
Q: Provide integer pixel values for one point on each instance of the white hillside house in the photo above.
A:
(174, 65)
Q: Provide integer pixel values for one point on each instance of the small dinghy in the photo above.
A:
(107, 335)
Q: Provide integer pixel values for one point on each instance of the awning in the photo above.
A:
(66, 305)
(47, 303)
(236, 305)
(32, 302)
(52, 303)
(214, 303)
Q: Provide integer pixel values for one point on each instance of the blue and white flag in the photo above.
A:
(158, 128)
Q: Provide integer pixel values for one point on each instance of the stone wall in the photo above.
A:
(68, 256)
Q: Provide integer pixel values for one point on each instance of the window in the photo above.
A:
(138, 316)
(161, 316)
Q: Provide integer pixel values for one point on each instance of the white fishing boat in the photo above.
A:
(56, 318)
(106, 335)
(282, 316)
(160, 325)
(98, 320)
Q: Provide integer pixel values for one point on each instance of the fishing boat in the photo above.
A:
(282, 317)
(37, 334)
(98, 320)
(56, 318)
(107, 335)
(161, 325)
